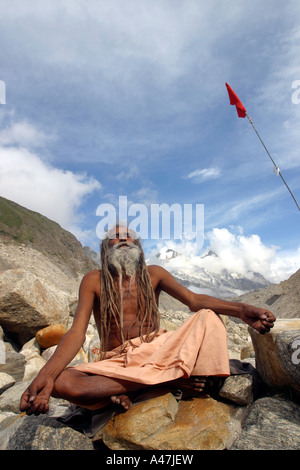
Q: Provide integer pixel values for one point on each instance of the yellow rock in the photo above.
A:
(163, 424)
(50, 336)
(129, 430)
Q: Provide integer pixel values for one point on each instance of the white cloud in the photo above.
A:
(145, 195)
(24, 134)
(207, 173)
(132, 172)
(29, 181)
(237, 253)
(132, 30)
(246, 254)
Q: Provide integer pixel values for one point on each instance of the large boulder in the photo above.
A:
(40, 433)
(272, 424)
(28, 304)
(164, 424)
(277, 354)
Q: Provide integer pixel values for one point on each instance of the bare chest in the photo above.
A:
(132, 316)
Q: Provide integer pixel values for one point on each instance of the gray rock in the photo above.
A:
(277, 354)
(2, 352)
(6, 381)
(10, 399)
(40, 433)
(272, 424)
(33, 345)
(14, 365)
(239, 389)
(34, 363)
(28, 304)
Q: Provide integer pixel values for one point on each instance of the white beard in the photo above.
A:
(124, 257)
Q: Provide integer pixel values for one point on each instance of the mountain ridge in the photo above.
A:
(22, 227)
(201, 280)
(282, 299)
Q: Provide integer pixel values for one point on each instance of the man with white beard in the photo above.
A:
(135, 353)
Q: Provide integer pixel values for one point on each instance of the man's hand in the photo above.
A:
(260, 319)
(35, 399)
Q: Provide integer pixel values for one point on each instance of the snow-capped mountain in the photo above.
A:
(204, 274)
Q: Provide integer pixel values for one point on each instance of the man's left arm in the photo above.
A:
(260, 319)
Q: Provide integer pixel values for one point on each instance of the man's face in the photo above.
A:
(122, 234)
(123, 254)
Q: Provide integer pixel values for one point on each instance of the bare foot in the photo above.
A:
(191, 387)
(122, 400)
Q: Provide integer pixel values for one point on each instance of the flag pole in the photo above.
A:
(242, 113)
(275, 166)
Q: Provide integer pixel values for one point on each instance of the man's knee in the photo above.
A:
(213, 319)
(64, 386)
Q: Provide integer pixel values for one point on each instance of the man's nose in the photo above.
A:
(123, 237)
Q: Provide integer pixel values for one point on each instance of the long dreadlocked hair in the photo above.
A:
(110, 300)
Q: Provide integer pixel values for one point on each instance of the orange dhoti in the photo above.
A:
(197, 347)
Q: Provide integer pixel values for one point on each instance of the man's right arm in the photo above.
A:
(35, 398)
(260, 319)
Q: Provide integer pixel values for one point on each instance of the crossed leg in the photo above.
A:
(191, 387)
(96, 391)
(90, 391)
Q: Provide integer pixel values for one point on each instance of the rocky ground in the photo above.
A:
(233, 419)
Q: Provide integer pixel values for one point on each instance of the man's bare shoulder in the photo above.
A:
(91, 279)
(95, 274)
(158, 272)
(155, 268)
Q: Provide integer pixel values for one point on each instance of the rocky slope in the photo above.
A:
(37, 253)
(37, 240)
(282, 299)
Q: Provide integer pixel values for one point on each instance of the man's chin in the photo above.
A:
(125, 245)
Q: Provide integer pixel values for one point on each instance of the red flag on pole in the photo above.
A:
(234, 100)
(241, 110)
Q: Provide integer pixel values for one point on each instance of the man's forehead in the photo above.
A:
(121, 231)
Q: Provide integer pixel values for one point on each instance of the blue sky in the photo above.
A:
(127, 97)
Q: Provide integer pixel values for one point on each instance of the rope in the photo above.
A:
(276, 168)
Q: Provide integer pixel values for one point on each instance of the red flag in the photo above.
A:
(234, 100)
